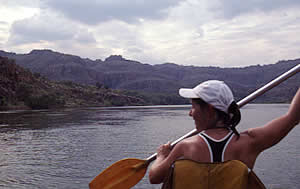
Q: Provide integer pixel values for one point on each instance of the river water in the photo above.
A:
(67, 148)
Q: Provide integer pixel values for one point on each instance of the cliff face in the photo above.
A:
(20, 88)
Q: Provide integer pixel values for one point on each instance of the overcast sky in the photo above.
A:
(226, 33)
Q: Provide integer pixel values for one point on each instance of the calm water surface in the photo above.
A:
(68, 148)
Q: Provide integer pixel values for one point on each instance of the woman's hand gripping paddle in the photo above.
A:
(126, 173)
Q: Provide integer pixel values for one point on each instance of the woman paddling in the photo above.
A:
(216, 115)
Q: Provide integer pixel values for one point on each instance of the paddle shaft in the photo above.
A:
(241, 103)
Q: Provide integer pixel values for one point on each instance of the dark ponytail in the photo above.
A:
(231, 119)
(235, 117)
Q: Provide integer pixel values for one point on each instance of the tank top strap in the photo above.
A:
(216, 147)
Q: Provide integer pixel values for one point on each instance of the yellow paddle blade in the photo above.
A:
(123, 174)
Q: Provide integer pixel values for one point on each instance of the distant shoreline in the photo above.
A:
(25, 108)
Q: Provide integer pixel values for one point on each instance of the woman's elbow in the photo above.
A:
(293, 118)
(154, 178)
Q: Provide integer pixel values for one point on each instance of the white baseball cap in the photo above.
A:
(213, 92)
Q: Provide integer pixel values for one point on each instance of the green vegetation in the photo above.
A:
(19, 88)
(24, 91)
(3, 101)
(44, 102)
(101, 86)
(158, 98)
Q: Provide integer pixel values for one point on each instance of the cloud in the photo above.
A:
(260, 38)
(45, 27)
(257, 38)
(96, 11)
(187, 32)
(18, 3)
(52, 31)
(3, 32)
(119, 37)
(156, 41)
(83, 50)
(232, 8)
(3, 25)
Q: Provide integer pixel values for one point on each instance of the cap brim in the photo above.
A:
(187, 93)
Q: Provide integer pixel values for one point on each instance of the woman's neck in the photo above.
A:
(218, 126)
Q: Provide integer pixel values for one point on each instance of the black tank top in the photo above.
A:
(217, 147)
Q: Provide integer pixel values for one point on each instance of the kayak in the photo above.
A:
(231, 174)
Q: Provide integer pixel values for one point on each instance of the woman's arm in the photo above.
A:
(270, 134)
(165, 158)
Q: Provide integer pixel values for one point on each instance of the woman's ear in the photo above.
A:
(211, 111)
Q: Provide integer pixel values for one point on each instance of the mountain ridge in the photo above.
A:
(117, 72)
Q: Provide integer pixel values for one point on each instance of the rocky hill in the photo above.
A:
(19, 88)
(160, 81)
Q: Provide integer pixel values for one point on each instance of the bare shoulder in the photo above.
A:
(248, 134)
(196, 149)
(242, 148)
(244, 141)
(251, 137)
(193, 141)
(188, 143)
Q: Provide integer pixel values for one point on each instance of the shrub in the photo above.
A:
(37, 75)
(3, 101)
(44, 102)
(99, 85)
(24, 91)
